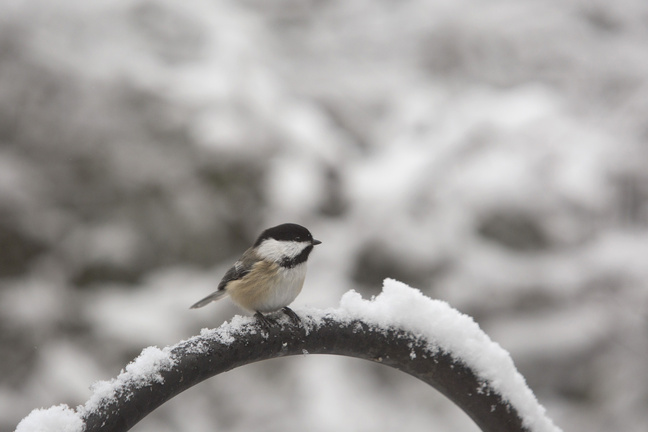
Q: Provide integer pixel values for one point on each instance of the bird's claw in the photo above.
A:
(265, 322)
(292, 315)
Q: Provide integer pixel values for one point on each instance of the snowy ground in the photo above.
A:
(491, 154)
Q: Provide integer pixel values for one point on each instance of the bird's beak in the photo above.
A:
(315, 242)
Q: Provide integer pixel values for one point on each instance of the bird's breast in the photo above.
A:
(268, 287)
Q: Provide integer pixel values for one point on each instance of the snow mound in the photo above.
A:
(143, 370)
(445, 328)
(60, 418)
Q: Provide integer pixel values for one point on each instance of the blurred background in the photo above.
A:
(492, 154)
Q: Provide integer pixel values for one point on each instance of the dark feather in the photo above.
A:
(238, 271)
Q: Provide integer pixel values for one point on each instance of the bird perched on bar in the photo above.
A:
(270, 274)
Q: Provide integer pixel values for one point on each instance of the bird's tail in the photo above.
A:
(210, 298)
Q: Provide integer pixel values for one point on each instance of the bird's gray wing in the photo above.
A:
(240, 268)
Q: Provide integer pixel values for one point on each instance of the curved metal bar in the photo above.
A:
(229, 347)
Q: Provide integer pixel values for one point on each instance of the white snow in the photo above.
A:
(398, 306)
(60, 418)
(144, 369)
(451, 331)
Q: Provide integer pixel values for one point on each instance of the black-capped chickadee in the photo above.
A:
(270, 274)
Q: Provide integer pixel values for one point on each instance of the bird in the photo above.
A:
(270, 274)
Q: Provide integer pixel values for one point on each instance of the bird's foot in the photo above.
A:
(265, 322)
(292, 315)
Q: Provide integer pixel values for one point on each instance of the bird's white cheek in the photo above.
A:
(276, 251)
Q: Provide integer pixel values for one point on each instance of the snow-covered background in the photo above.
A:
(492, 154)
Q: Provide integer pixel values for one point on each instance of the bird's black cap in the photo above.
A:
(287, 232)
